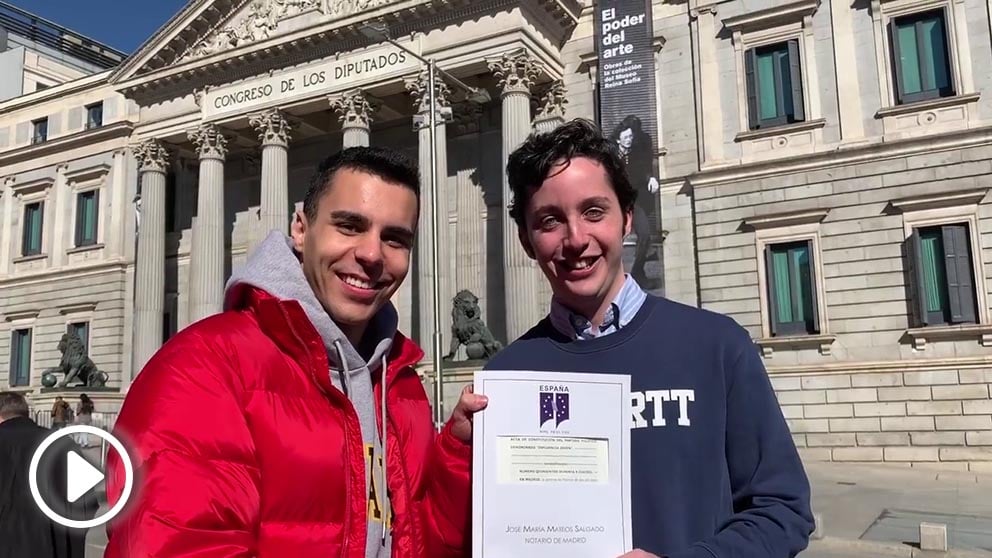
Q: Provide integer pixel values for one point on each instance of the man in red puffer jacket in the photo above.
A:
(293, 423)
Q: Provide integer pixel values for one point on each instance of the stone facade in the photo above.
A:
(862, 166)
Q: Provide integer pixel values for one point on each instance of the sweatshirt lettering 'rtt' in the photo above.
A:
(714, 470)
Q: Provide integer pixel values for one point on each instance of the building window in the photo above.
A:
(32, 232)
(20, 358)
(920, 57)
(774, 85)
(39, 130)
(87, 213)
(791, 288)
(94, 116)
(82, 331)
(944, 272)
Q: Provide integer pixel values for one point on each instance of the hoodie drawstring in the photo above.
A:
(344, 372)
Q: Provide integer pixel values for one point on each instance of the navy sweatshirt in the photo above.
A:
(714, 470)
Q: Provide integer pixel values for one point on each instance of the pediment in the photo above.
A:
(259, 20)
(212, 42)
(207, 27)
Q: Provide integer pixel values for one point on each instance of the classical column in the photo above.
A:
(355, 110)
(419, 89)
(551, 108)
(468, 264)
(516, 73)
(149, 269)
(274, 133)
(207, 252)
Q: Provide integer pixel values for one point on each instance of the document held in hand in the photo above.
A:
(551, 465)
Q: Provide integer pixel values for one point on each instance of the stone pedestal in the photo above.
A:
(456, 375)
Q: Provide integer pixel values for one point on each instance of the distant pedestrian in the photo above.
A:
(61, 413)
(84, 415)
(25, 532)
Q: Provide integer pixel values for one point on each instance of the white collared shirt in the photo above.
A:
(621, 311)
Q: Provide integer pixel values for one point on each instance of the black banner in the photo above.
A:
(628, 115)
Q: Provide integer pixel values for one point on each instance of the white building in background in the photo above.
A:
(824, 167)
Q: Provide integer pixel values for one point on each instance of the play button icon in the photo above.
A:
(62, 479)
(81, 477)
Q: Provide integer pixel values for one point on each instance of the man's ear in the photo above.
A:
(628, 221)
(525, 242)
(298, 230)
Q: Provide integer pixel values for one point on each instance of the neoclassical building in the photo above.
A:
(823, 168)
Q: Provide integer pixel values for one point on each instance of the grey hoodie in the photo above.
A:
(273, 266)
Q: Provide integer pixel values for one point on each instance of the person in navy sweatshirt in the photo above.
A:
(714, 470)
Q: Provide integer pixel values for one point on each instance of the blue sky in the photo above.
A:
(122, 24)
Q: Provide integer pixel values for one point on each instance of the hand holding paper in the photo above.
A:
(551, 466)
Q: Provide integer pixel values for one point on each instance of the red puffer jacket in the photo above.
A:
(242, 447)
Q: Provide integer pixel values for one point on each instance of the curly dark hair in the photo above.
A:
(529, 165)
(388, 164)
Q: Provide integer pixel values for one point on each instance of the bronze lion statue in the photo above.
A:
(76, 364)
(467, 328)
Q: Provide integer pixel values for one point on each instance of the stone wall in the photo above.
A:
(935, 418)
(873, 384)
(47, 305)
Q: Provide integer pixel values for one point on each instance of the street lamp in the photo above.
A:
(378, 30)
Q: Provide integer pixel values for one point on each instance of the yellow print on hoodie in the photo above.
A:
(375, 503)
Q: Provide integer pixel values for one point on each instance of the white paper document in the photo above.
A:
(551, 466)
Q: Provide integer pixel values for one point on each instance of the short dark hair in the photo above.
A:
(386, 163)
(528, 166)
(12, 404)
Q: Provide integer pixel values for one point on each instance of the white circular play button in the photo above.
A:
(60, 477)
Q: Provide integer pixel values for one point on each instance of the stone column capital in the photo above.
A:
(210, 142)
(354, 109)
(272, 126)
(418, 88)
(466, 117)
(551, 104)
(516, 71)
(152, 156)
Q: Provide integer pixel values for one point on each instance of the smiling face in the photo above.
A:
(356, 250)
(574, 229)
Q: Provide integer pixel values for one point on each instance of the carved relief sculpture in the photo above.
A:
(418, 88)
(263, 18)
(272, 126)
(516, 72)
(151, 156)
(210, 142)
(346, 7)
(553, 101)
(354, 109)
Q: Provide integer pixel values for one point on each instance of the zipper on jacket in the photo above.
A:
(346, 527)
